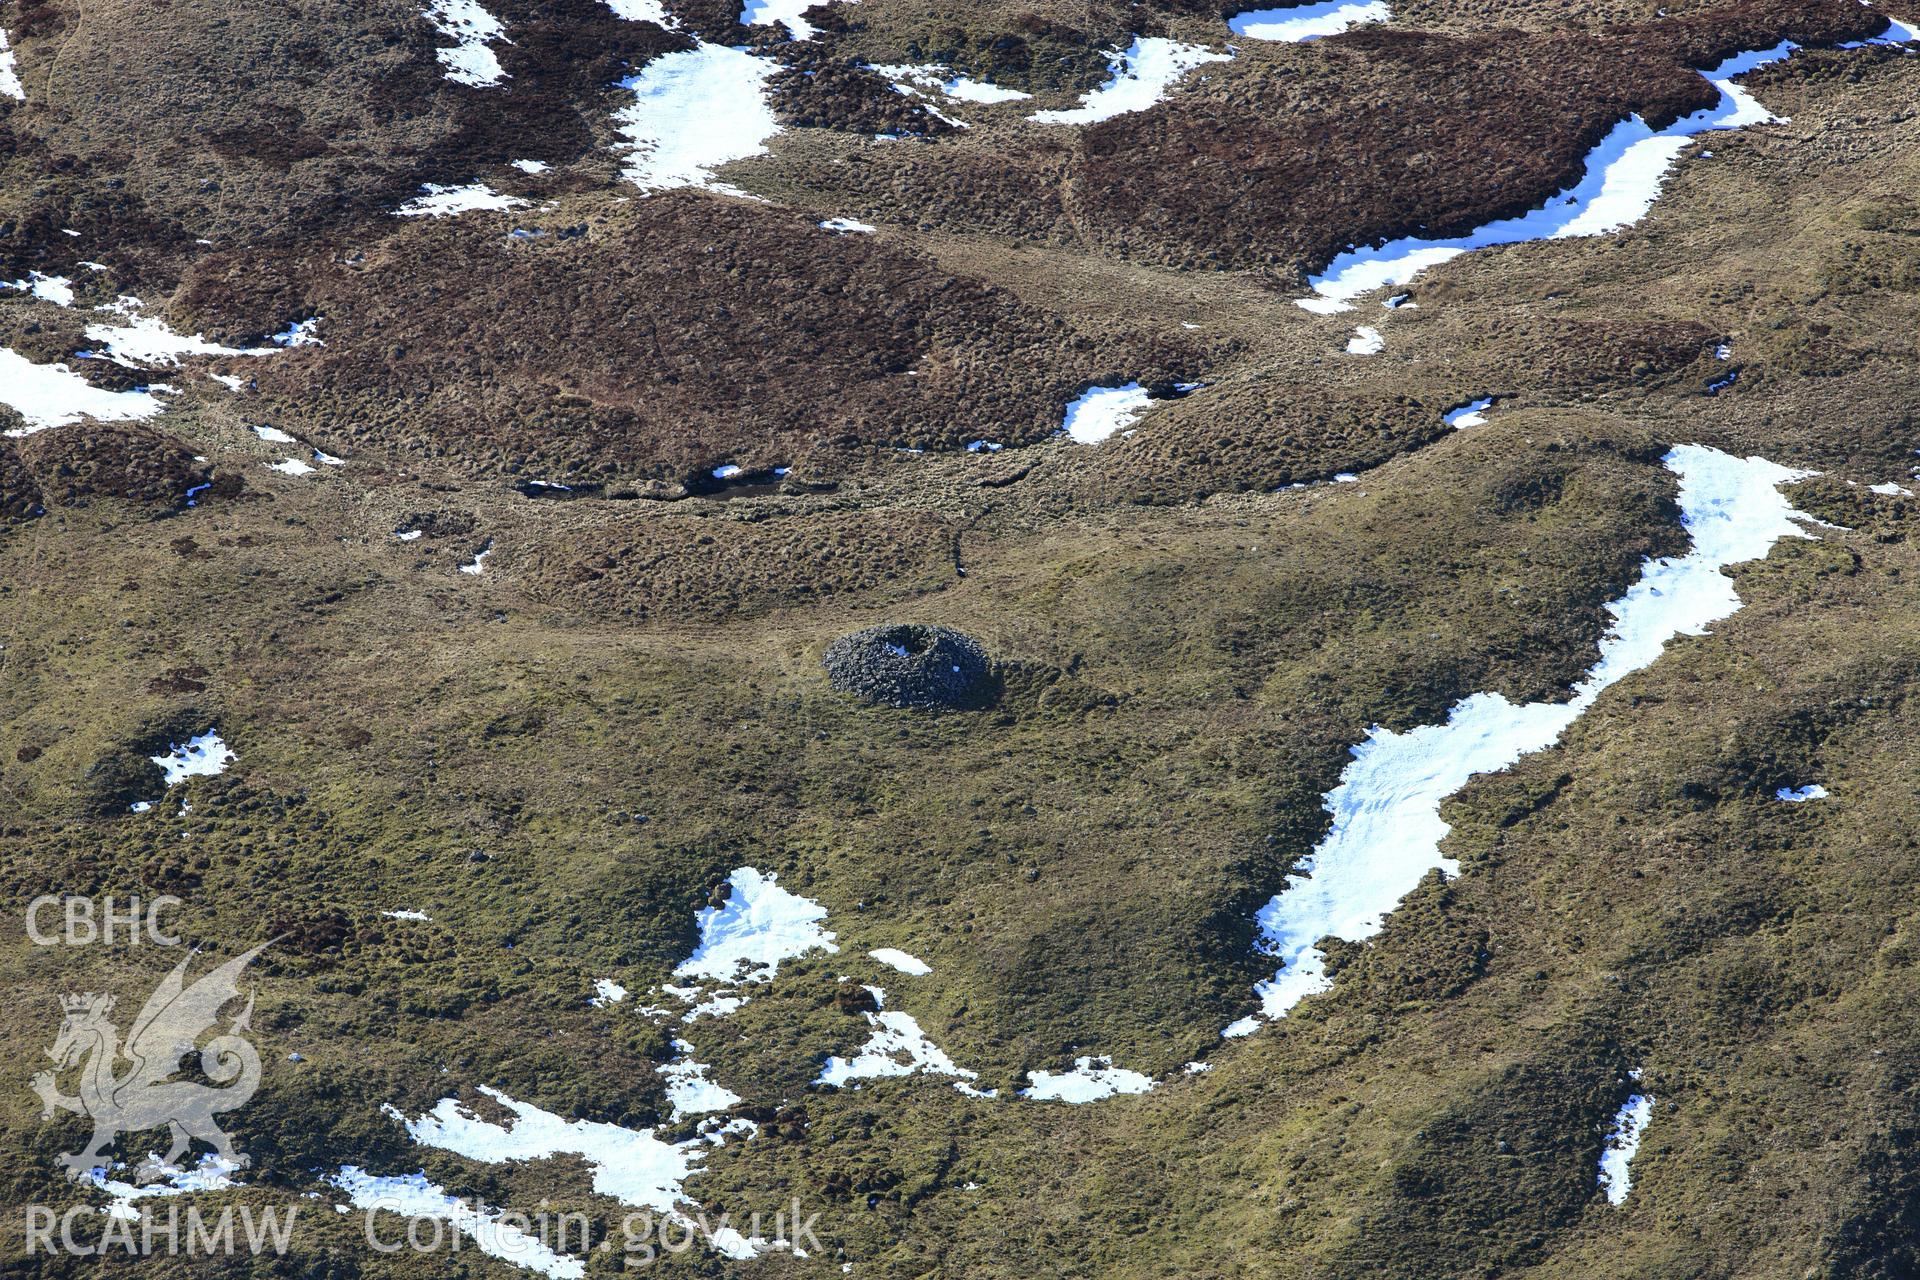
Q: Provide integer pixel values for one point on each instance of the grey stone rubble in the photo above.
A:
(908, 665)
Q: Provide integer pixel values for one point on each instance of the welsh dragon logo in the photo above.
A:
(146, 1096)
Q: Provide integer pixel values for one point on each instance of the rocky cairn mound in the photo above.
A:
(910, 665)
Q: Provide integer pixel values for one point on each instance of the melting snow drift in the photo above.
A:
(1800, 795)
(52, 395)
(443, 202)
(148, 341)
(1623, 1143)
(1101, 411)
(1387, 829)
(1307, 21)
(898, 1047)
(1142, 75)
(214, 1172)
(1471, 414)
(643, 11)
(1090, 1080)
(10, 85)
(470, 61)
(631, 1165)
(786, 13)
(894, 958)
(1624, 174)
(411, 1196)
(694, 111)
(201, 757)
(913, 80)
(689, 1091)
(760, 926)
(55, 289)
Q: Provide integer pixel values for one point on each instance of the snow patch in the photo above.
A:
(55, 289)
(1890, 490)
(760, 926)
(446, 201)
(930, 77)
(786, 13)
(411, 1196)
(894, 958)
(1142, 75)
(472, 28)
(1800, 795)
(714, 1007)
(1101, 411)
(897, 1047)
(631, 1165)
(694, 111)
(10, 85)
(689, 1091)
(478, 565)
(1623, 1143)
(1471, 414)
(145, 342)
(642, 11)
(214, 1172)
(201, 757)
(843, 225)
(606, 992)
(301, 333)
(52, 395)
(405, 914)
(1307, 21)
(1897, 32)
(1366, 341)
(1090, 1080)
(963, 89)
(291, 467)
(1623, 177)
(1386, 829)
